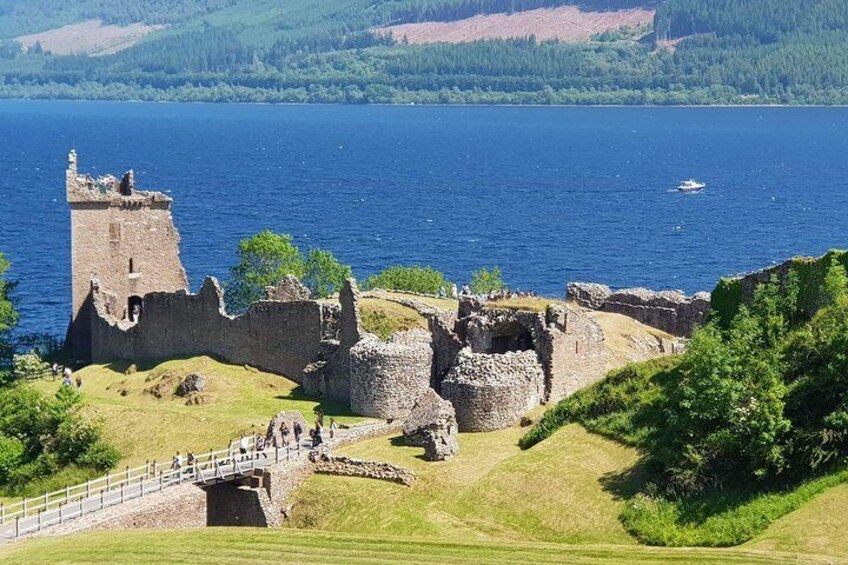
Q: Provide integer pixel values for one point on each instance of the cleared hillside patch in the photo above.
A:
(90, 37)
(567, 23)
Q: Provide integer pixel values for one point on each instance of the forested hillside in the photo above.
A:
(703, 52)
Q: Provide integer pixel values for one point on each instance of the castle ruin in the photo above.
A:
(122, 240)
(131, 302)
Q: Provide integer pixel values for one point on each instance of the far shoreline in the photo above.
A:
(425, 105)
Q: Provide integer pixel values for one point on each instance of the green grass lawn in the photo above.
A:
(243, 545)
(240, 401)
(818, 527)
(491, 490)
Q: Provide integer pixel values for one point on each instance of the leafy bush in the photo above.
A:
(99, 456)
(29, 366)
(423, 280)
(8, 320)
(485, 281)
(41, 436)
(11, 456)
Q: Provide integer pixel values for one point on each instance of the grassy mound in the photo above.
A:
(384, 318)
(491, 490)
(238, 400)
(817, 528)
(625, 407)
(246, 545)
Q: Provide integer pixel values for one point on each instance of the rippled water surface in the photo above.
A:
(548, 194)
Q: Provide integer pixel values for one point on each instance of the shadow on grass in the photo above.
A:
(327, 406)
(627, 484)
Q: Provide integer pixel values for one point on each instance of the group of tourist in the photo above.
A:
(277, 438)
(67, 376)
(316, 434)
(503, 294)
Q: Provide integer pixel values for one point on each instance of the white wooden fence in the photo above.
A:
(31, 515)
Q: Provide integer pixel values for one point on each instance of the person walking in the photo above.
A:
(244, 445)
(79, 382)
(298, 431)
(55, 370)
(333, 428)
(284, 431)
(260, 447)
(67, 379)
(177, 462)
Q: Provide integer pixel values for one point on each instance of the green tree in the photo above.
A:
(8, 319)
(425, 280)
(485, 281)
(324, 274)
(264, 259)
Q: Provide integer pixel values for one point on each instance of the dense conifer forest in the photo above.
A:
(699, 52)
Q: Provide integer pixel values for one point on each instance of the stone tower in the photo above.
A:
(124, 241)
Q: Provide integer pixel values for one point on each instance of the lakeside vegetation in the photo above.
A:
(724, 52)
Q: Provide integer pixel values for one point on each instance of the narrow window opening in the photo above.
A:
(132, 266)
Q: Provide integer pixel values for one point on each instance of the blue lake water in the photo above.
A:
(548, 194)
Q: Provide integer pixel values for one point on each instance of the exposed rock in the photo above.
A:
(441, 443)
(432, 425)
(289, 289)
(193, 383)
(164, 387)
(428, 409)
(196, 399)
(132, 369)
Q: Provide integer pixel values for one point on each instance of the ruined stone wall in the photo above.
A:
(446, 346)
(387, 378)
(282, 337)
(493, 391)
(124, 238)
(668, 310)
(349, 467)
(572, 352)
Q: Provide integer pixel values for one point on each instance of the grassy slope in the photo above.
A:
(816, 528)
(143, 427)
(490, 491)
(384, 318)
(243, 545)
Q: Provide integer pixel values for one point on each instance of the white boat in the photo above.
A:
(691, 185)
